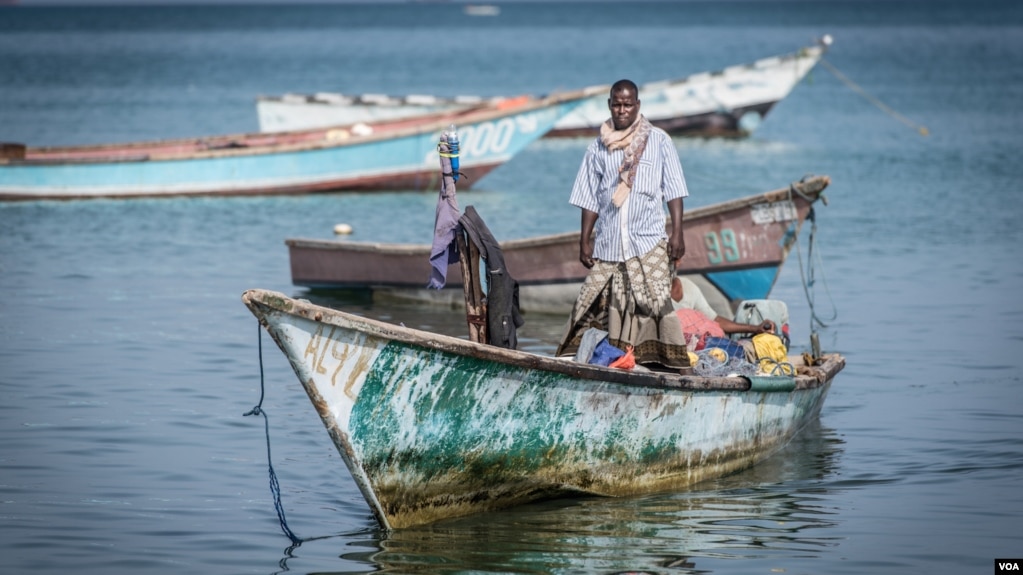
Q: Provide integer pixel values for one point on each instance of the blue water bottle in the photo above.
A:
(453, 150)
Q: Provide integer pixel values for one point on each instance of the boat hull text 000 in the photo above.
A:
(394, 155)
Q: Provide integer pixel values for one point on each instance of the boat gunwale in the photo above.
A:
(261, 302)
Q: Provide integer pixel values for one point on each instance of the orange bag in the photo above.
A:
(627, 361)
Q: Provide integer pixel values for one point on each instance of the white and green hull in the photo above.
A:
(433, 427)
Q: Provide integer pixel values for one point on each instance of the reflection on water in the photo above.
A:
(774, 509)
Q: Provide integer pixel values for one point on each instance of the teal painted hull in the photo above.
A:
(395, 155)
(433, 427)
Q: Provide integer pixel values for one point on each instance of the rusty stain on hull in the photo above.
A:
(433, 427)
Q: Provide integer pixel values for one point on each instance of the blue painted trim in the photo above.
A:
(497, 141)
(752, 283)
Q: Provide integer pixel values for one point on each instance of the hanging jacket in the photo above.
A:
(503, 315)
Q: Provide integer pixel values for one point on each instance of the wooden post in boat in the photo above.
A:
(475, 301)
(468, 251)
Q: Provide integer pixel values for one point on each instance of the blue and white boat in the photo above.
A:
(396, 154)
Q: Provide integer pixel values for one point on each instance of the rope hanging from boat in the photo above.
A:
(275, 487)
(856, 88)
(808, 275)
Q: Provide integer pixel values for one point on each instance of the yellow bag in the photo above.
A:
(772, 354)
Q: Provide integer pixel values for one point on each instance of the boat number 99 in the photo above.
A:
(487, 138)
(721, 248)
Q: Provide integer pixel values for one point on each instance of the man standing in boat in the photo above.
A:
(626, 176)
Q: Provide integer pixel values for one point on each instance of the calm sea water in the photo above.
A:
(127, 358)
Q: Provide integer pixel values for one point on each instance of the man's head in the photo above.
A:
(623, 104)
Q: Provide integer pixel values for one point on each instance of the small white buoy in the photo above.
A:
(362, 129)
(342, 229)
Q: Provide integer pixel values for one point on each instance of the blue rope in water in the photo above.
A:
(275, 487)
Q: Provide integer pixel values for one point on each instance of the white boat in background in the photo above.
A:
(729, 102)
(482, 10)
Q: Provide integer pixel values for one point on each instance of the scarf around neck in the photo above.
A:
(633, 140)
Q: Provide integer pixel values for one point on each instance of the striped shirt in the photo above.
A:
(636, 227)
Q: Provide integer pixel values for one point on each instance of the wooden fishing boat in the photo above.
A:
(394, 154)
(728, 102)
(734, 251)
(433, 427)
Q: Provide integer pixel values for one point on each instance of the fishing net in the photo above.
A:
(714, 362)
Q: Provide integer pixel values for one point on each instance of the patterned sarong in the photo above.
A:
(631, 301)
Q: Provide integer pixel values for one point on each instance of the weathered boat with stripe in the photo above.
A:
(395, 154)
(728, 102)
(734, 251)
(434, 427)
